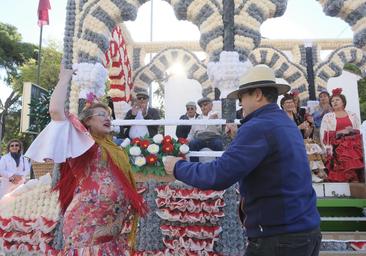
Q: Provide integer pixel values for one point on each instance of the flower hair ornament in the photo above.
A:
(90, 99)
(337, 91)
(294, 93)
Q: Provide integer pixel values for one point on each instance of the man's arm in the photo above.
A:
(244, 154)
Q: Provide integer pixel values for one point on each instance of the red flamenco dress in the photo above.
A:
(346, 158)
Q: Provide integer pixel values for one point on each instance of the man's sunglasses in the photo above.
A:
(190, 108)
(141, 98)
(14, 145)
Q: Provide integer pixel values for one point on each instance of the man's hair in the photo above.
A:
(270, 93)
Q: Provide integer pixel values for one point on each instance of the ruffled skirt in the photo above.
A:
(347, 159)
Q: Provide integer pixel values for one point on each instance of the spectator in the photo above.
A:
(299, 111)
(288, 105)
(183, 130)
(205, 136)
(140, 110)
(323, 108)
(14, 167)
(340, 134)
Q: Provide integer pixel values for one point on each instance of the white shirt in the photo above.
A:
(9, 168)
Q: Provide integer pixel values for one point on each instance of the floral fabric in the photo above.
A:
(95, 219)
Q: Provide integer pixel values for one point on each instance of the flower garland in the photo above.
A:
(147, 155)
(225, 74)
(90, 78)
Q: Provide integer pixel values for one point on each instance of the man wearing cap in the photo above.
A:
(268, 158)
(205, 136)
(140, 110)
(183, 130)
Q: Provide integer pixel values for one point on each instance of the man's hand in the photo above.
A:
(135, 108)
(169, 163)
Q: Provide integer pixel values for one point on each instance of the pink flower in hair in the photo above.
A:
(90, 97)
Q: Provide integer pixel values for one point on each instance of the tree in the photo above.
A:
(50, 67)
(13, 53)
(361, 88)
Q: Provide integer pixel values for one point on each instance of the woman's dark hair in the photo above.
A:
(270, 93)
(343, 98)
(286, 97)
(12, 141)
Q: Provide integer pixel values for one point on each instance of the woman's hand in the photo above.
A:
(303, 125)
(15, 179)
(231, 129)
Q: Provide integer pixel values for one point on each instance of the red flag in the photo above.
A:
(43, 7)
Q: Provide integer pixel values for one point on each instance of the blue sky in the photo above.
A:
(303, 19)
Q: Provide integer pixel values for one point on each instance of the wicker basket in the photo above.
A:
(139, 177)
(40, 169)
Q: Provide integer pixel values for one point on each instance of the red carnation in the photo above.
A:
(168, 148)
(136, 141)
(167, 140)
(337, 91)
(151, 159)
(144, 144)
(182, 141)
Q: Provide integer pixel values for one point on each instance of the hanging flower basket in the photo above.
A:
(147, 154)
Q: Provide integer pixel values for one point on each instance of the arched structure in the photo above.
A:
(352, 12)
(89, 26)
(293, 73)
(333, 66)
(156, 69)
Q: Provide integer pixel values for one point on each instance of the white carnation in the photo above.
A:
(125, 143)
(140, 161)
(135, 151)
(184, 149)
(158, 138)
(153, 149)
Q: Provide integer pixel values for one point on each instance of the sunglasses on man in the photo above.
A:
(14, 145)
(190, 109)
(142, 98)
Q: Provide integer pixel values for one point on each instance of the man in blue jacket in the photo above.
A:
(268, 159)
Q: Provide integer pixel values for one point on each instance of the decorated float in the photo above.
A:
(184, 220)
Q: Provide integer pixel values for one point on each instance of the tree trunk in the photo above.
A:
(13, 97)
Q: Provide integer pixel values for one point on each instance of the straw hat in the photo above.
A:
(259, 76)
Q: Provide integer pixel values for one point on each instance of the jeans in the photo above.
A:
(291, 244)
(215, 144)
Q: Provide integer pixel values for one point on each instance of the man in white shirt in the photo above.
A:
(205, 136)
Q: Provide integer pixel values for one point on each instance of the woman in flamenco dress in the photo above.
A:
(340, 135)
(97, 192)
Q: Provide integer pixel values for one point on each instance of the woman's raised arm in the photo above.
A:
(58, 98)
